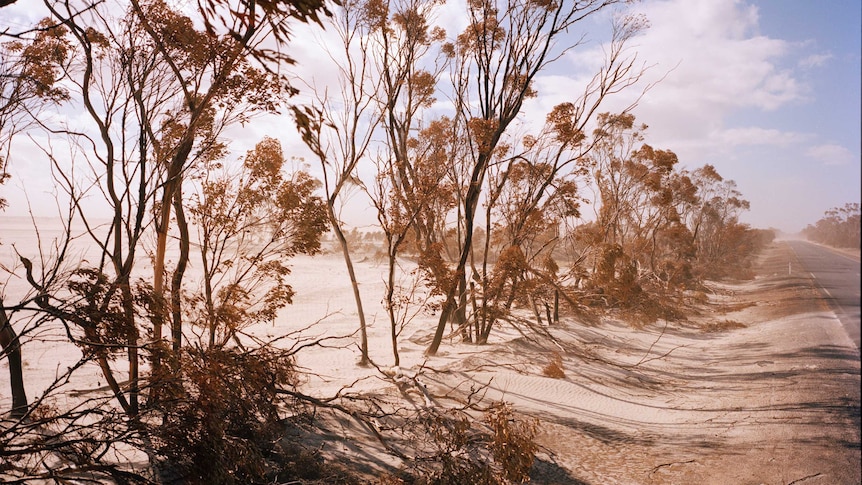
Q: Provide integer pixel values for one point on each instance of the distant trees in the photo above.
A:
(839, 227)
(659, 229)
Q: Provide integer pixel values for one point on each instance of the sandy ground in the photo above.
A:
(762, 387)
(776, 402)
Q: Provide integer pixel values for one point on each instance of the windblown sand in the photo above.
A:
(761, 387)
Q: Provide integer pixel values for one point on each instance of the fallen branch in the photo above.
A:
(656, 468)
(653, 344)
(798, 480)
(643, 361)
(358, 416)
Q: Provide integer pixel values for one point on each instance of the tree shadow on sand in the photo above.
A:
(547, 472)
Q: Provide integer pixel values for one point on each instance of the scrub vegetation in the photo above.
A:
(839, 227)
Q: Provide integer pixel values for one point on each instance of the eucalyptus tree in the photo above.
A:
(339, 128)
(839, 227)
(154, 92)
(497, 59)
(389, 59)
(639, 239)
(29, 75)
(157, 93)
(250, 222)
(723, 245)
(216, 87)
(412, 197)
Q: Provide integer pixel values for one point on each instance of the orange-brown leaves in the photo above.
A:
(413, 22)
(563, 121)
(212, 64)
(223, 428)
(375, 13)
(548, 5)
(251, 224)
(521, 84)
(485, 33)
(512, 443)
(96, 38)
(423, 85)
(42, 60)
(511, 264)
(483, 132)
(437, 274)
(97, 308)
(614, 123)
(438, 34)
(264, 163)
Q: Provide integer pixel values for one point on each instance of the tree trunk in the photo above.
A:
(461, 313)
(390, 305)
(132, 337)
(345, 251)
(177, 279)
(470, 202)
(12, 349)
(556, 305)
(159, 312)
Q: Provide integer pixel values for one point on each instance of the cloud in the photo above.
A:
(706, 62)
(815, 60)
(715, 69)
(830, 154)
(754, 135)
(719, 61)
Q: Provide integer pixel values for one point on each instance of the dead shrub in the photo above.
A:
(226, 426)
(496, 450)
(454, 455)
(512, 443)
(722, 326)
(554, 369)
(389, 479)
(699, 297)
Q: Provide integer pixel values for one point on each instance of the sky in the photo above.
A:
(767, 91)
(770, 92)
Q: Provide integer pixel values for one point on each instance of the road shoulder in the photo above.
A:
(761, 387)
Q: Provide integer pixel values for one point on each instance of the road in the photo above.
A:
(837, 276)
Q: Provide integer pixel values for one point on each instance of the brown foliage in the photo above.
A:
(498, 450)
(554, 368)
(225, 428)
(839, 227)
(512, 444)
(251, 223)
(722, 326)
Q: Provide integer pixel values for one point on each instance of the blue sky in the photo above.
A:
(768, 91)
(831, 109)
(785, 122)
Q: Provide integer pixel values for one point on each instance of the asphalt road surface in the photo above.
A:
(837, 276)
